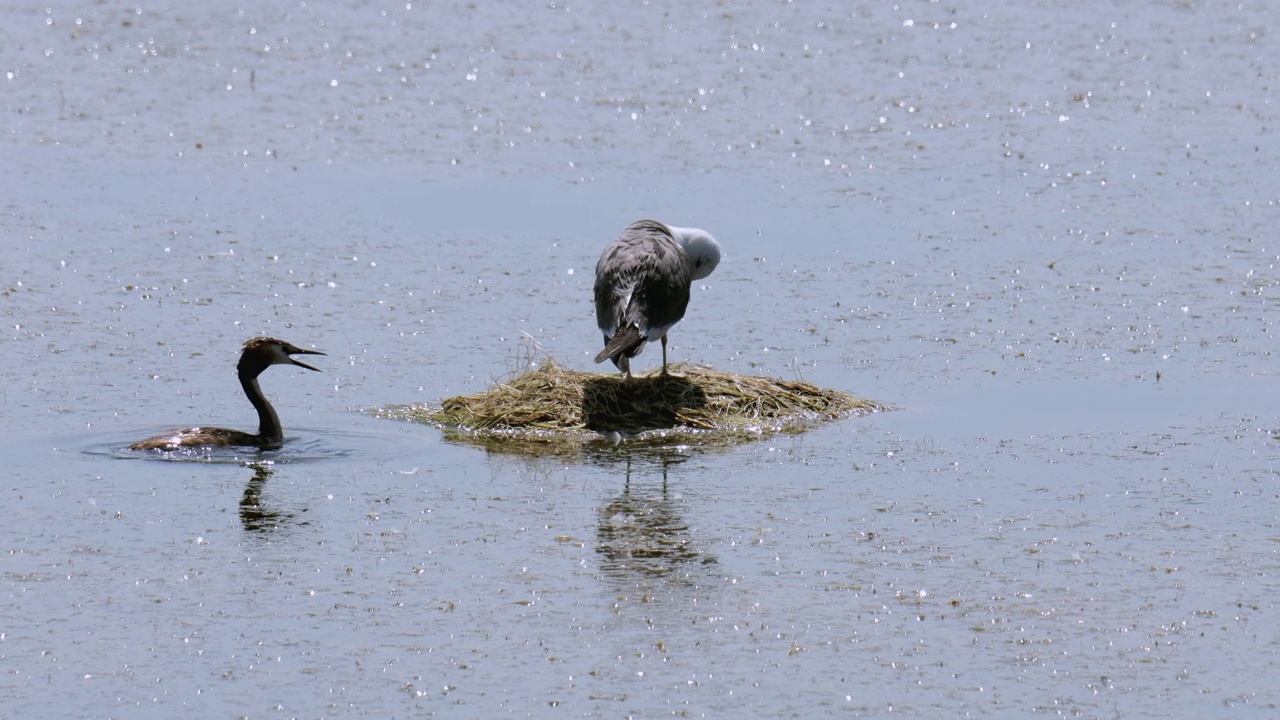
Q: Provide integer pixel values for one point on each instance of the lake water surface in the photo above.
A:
(1044, 234)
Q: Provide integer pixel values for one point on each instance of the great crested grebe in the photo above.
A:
(259, 354)
(642, 286)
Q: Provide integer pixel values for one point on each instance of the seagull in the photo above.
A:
(642, 286)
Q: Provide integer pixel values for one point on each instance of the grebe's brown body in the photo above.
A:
(259, 354)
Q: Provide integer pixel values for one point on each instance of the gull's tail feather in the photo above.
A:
(624, 343)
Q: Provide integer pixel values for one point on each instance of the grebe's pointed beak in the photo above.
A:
(294, 350)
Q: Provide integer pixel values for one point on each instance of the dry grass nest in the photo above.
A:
(549, 409)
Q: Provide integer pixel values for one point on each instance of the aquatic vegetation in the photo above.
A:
(548, 409)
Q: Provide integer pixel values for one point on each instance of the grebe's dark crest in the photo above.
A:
(642, 286)
(259, 354)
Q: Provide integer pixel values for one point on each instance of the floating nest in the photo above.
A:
(550, 410)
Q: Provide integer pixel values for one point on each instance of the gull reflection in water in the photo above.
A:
(641, 535)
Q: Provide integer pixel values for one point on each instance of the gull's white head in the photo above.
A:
(702, 249)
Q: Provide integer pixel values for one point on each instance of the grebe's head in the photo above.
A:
(261, 353)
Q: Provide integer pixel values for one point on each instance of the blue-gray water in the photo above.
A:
(1045, 233)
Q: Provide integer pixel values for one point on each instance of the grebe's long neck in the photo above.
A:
(268, 422)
